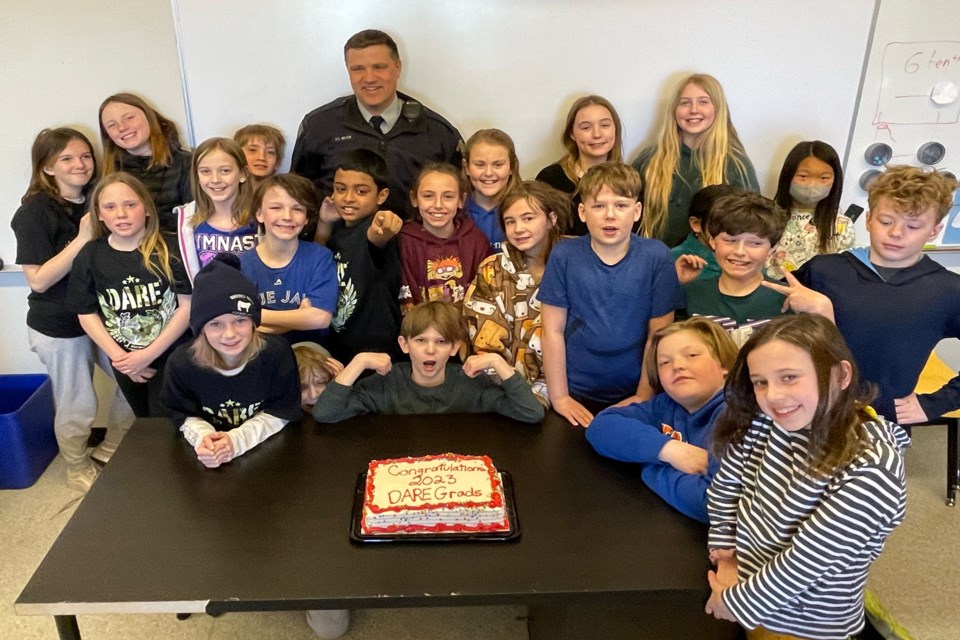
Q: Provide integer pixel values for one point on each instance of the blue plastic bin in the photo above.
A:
(27, 441)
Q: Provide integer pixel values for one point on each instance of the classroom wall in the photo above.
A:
(61, 58)
(518, 65)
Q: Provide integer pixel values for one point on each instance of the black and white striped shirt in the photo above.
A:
(804, 544)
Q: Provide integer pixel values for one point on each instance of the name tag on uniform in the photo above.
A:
(345, 138)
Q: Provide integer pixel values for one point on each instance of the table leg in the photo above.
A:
(67, 627)
(674, 618)
(953, 461)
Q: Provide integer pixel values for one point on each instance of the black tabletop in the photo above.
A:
(159, 532)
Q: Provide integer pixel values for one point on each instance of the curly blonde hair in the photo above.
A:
(914, 190)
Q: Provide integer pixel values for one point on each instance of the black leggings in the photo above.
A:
(144, 397)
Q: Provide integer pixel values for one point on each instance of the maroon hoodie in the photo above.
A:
(439, 268)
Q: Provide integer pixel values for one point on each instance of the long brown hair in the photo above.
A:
(163, 134)
(836, 433)
(548, 201)
(824, 212)
(569, 161)
(47, 147)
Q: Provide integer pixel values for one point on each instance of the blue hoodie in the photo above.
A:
(638, 432)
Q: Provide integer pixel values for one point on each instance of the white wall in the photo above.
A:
(60, 59)
(517, 65)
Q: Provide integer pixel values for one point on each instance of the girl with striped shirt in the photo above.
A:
(810, 486)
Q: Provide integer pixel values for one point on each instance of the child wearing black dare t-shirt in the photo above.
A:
(131, 295)
(232, 387)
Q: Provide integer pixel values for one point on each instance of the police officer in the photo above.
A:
(376, 117)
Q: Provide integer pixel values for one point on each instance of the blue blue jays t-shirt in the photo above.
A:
(488, 221)
(608, 309)
(310, 274)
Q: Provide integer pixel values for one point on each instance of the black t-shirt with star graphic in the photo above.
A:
(368, 307)
(134, 303)
(268, 383)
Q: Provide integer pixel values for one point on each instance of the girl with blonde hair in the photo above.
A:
(131, 294)
(698, 146)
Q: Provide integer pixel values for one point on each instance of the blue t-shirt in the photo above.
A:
(608, 309)
(211, 241)
(488, 221)
(310, 274)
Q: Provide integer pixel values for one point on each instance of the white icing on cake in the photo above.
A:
(445, 493)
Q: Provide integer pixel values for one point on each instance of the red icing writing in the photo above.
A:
(426, 494)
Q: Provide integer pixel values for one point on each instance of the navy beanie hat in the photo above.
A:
(221, 288)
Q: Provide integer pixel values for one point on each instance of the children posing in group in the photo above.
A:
(810, 486)
(232, 387)
(364, 244)
(491, 164)
(502, 307)
(698, 146)
(592, 134)
(811, 182)
(430, 334)
(218, 219)
(744, 228)
(892, 303)
(297, 280)
(52, 226)
(439, 253)
(671, 433)
(602, 296)
(131, 295)
(140, 141)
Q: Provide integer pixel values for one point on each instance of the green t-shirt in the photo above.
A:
(686, 182)
(692, 246)
(705, 299)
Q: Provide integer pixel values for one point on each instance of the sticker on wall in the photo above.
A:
(867, 177)
(944, 93)
(878, 154)
(931, 153)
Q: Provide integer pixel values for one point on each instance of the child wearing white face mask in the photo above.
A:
(810, 185)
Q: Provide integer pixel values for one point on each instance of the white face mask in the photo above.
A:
(810, 194)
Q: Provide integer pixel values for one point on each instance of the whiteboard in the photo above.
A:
(914, 47)
(60, 59)
(789, 74)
